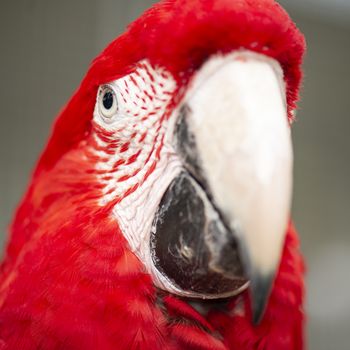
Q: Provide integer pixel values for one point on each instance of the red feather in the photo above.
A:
(68, 280)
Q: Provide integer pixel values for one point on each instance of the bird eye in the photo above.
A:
(108, 104)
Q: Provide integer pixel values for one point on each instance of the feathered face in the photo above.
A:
(200, 185)
(190, 143)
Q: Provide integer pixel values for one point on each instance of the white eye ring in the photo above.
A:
(107, 103)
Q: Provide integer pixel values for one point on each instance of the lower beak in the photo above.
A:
(237, 116)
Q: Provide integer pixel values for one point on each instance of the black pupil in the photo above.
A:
(108, 100)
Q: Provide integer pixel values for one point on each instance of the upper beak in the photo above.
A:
(239, 120)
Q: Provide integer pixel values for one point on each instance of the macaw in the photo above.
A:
(158, 215)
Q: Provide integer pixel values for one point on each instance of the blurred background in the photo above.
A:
(46, 47)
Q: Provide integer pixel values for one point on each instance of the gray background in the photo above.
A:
(46, 47)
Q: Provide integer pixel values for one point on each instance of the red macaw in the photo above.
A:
(159, 211)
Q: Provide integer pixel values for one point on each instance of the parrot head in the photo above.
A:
(177, 140)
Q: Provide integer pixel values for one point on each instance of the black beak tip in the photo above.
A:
(260, 287)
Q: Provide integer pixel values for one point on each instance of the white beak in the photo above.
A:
(239, 119)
